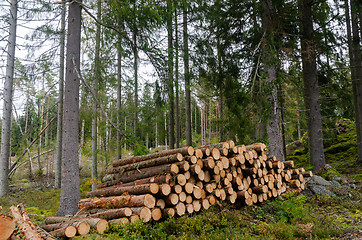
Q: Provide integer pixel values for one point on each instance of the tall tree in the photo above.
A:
(97, 70)
(119, 98)
(311, 88)
(356, 96)
(70, 183)
(58, 164)
(8, 100)
(171, 114)
(187, 76)
(135, 67)
(357, 69)
(270, 59)
(177, 102)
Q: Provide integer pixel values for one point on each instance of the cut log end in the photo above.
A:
(145, 214)
(134, 218)
(7, 226)
(83, 228)
(149, 201)
(102, 225)
(69, 231)
(156, 214)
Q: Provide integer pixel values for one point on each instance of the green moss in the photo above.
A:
(341, 147)
(41, 201)
(356, 177)
(299, 152)
(330, 174)
(300, 160)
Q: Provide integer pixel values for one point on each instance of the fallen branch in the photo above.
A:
(12, 168)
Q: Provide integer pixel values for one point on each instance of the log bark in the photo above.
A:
(186, 151)
(148, 163)
(259, 147)
(152, 188)
(289, 164)
(113, 213)
(82, 227)
(118, 201)
(68, 232)
(133, 175)
(26, 229)
(165, 178)
(118, 221)
(26, 217)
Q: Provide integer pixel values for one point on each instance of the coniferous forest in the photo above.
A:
(87, 83)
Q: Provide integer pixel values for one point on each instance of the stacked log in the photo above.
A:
(187, 180)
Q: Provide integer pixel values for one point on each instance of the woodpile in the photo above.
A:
(187, 180)
(180, 181)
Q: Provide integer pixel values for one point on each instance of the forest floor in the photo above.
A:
(293, 216)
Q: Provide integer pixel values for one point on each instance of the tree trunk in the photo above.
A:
(119, 99)
(171, 123)
(8, 99)
(97, 75)
(40, 116)
(46, 134)
(177, 103)
(58, 164)
(356, 96)
(357, 65)
(31, 176)
(270, 61)
(135, 67)
(311, 88)
(70, 183)
(220, 87)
